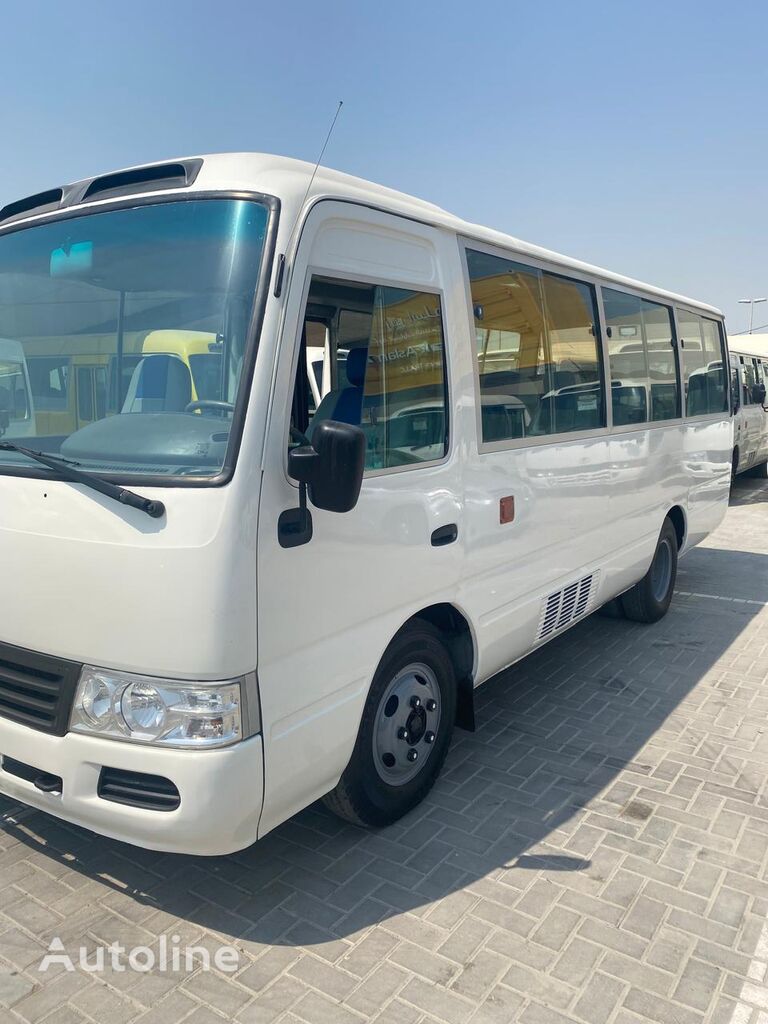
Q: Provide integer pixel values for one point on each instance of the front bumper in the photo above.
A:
(221, 790)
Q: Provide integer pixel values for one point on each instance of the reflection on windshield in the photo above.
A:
(128, 330)
(13, 391)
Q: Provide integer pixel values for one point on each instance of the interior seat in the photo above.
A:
(345, 404)
(160, 383)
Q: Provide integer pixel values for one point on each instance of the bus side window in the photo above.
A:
(538, 356)
(642, 358)
(703, 364)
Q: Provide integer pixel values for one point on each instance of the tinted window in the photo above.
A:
(643, 368)
(13, 390)
(87, 300)
(48, 379)
(404, 416)
(706, 385)
(388, 369)
(630, 396)
(749, 379)
(84, 394)
(537, 354)
(754, 373)
(662, 361)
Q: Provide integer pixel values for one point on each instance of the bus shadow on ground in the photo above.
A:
(553, 733)
(748, 491)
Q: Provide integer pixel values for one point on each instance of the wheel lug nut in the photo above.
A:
(429, 737)
(415, 702)
(402, 733)
(431, 705)
(412, 754)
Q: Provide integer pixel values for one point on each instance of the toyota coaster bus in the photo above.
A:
(226, 605)
(749, 375)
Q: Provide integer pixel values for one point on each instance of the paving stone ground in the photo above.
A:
(595, 852)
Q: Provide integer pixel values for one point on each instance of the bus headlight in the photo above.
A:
(167, 712)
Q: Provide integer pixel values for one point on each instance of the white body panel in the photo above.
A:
(208, 593)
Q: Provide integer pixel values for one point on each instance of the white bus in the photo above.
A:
(749, 376)
(251, 600)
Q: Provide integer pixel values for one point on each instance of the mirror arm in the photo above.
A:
(303, 511)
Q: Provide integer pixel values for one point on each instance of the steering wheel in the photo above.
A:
(210, 403)
(296, 435)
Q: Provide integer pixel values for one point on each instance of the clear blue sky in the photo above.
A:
(629, 134)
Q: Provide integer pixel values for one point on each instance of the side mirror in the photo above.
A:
(332, 466)
(758, 393)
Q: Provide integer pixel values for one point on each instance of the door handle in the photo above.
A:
(444, 535)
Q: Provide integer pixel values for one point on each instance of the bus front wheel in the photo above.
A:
(405, 731)
(649, 599)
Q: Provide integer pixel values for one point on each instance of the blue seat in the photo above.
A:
(345, 404)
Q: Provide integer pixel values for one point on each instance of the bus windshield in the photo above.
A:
(133, 326)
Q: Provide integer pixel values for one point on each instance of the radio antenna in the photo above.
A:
(281, 262)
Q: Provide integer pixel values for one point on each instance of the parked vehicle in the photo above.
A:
(17, 414)
(749, 375)
(287, 585)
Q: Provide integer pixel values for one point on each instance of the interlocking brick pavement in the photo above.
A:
(594, 853)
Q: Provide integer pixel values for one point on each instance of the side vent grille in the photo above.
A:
(565, 606)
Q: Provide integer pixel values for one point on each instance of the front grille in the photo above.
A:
(37, 690)
(150, 792)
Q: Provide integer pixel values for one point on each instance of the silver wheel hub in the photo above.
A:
(661, 570)
(406, 724)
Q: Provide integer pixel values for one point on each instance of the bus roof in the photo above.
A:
(289, 179)
(749, 344)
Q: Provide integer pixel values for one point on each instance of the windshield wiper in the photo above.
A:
(65, 467)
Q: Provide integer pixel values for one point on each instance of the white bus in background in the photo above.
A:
(280, 592)
(17, 416)
(749, 376)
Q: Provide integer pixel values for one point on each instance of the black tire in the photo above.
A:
(362, 796)
(649, 599)
(734, 466)
(761, 471)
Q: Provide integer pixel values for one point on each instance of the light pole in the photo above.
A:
(751, 309)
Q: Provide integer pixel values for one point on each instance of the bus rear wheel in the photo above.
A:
(404, 734)
(650, 598)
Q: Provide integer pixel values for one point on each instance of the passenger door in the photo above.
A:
(329, 605)
(752, 417)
